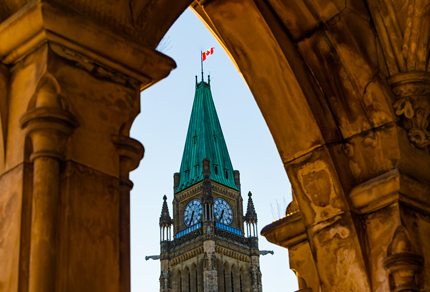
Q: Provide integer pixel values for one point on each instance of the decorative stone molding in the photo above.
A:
(131, 153)
(412, 90)
(47, 120)
(388, 188)
(403, 265)
(219, 189)
(186, 256)
(226, 251)
(287, 231)
(189, 192)
(84, 39)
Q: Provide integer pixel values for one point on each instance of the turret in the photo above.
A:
(251, 218)
(165, 222)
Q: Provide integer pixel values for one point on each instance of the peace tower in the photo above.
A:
(214, 247)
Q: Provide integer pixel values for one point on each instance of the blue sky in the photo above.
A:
(162, 126)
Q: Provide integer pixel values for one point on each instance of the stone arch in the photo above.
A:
(290, 84)
(193, 277)
(244, 280)
(321, 75)
(235, 278)
(186, 278)
(177, 280)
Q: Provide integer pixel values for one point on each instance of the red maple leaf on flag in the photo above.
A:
(207, 53)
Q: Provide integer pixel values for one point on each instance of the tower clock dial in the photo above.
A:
(193, 212)
(223, 211)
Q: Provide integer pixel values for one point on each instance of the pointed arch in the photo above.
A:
(401, 242)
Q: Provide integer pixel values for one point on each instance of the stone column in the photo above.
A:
(165, 275)
(48, 125)
(200, 283)
(185, 279)
(246, 281)
(193, 281)
(130, 153)
(210, 277)
(220, 272)
(165, 279)
(73, 88)
(227, 277)
(236, 277)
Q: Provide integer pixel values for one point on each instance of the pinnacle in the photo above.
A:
(165, 216)
(251, 215)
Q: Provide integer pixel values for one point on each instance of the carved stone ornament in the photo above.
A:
(403, 265)
(412, 90)
(403, 269)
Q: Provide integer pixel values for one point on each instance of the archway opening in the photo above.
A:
(162, 126)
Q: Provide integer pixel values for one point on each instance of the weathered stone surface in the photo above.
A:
(317, 188)
(338, 255)
(270, 68)
(14, 242)
(296, 17)
(344, 89)
(302, 263)
(344, 100)
(89, 229)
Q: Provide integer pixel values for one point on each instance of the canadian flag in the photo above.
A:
(207, 53)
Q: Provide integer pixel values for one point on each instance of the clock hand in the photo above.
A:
(191, 220)
(222, 213)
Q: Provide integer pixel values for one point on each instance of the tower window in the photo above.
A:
(187, 175)
(196, 168)
(194, 140)
(226, 174)
(216, 169)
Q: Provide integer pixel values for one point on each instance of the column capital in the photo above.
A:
(131, 153)
(412, 105)
(47, 122)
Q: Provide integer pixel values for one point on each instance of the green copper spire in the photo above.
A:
(205, 140)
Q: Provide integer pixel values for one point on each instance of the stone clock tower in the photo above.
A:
(212, 246)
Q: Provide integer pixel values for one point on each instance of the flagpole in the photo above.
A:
(201, 59)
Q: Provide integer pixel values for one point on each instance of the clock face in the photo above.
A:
(193, 212)
(223, 212)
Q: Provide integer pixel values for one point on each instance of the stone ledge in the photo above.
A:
(388, 188)
(41, 21)
(286, 231)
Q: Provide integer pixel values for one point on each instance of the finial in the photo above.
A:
(165, 198)
(249, 194)
(209, 79)
(196, 80)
